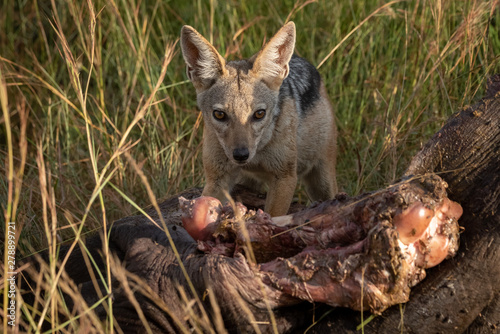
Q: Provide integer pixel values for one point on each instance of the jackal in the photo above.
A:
(267, 120)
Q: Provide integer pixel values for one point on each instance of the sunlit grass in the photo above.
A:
(93, 91)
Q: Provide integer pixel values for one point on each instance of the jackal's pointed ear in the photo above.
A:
(204, 64)
(271, 63)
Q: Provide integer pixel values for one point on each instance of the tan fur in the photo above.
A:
(282, 145)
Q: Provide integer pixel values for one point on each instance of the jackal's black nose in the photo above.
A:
(241, 154)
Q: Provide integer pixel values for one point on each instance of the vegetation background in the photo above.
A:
(95, 99)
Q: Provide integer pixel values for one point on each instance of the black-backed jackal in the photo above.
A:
(267, 120)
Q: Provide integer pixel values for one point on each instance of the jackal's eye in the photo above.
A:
(219, 115)
(259, 114)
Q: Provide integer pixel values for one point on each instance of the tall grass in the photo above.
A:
(85, 83)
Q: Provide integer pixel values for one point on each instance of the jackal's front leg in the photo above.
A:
(280, 194)
(219, 181)
(218, 187)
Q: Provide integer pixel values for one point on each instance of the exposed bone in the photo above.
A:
(413, 222)
(200, 217)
